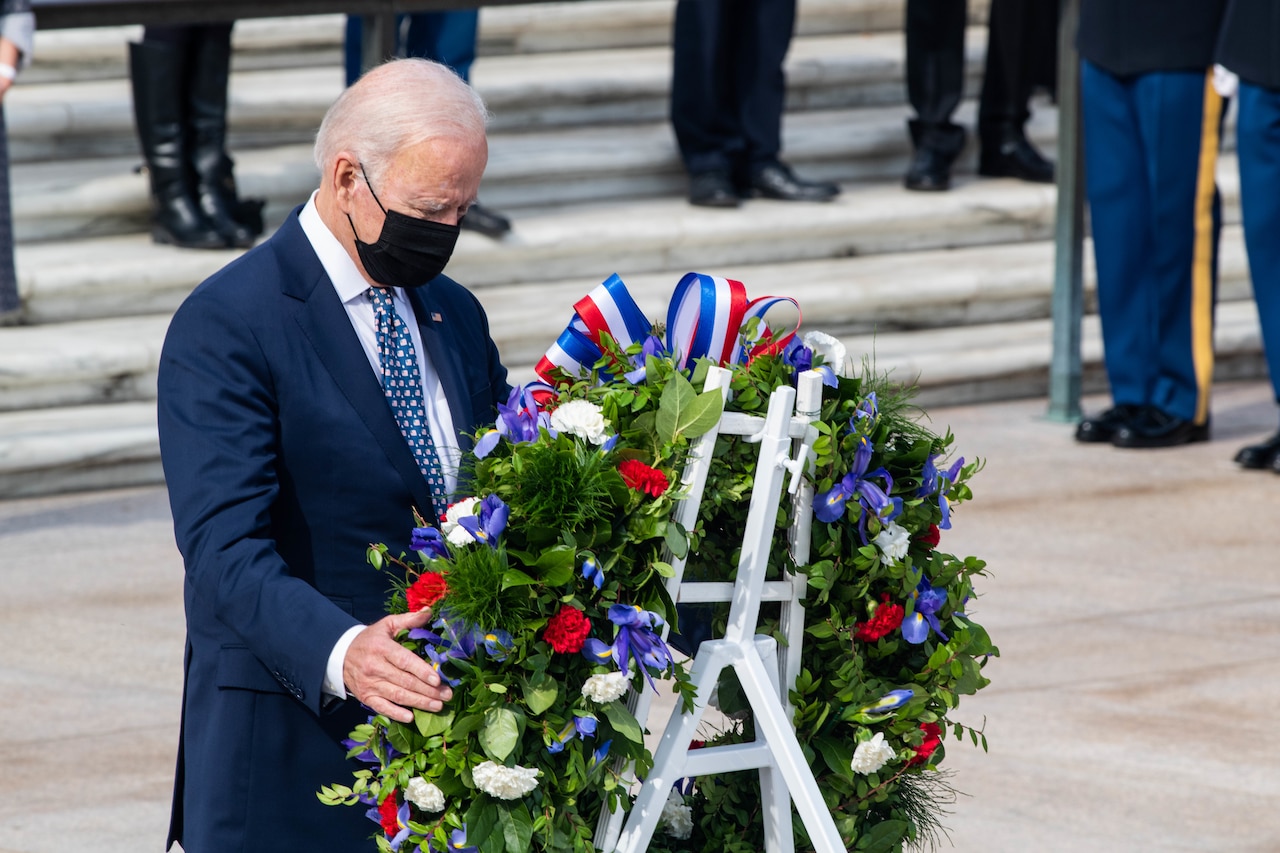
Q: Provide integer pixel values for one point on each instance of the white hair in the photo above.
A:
(397, 105)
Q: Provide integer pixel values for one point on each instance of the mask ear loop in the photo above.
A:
(376, 200)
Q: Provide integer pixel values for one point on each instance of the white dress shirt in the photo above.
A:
(353, 290)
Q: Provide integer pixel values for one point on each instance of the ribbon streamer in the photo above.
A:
(704, 320)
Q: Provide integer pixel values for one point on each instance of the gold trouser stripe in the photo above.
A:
(1202, 257)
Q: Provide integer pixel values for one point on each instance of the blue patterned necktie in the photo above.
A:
(402, 385)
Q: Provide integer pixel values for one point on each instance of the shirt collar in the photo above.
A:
(341, 269)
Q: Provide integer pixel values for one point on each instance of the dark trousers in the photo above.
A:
(185, 36)
(447, 37)
(1258, 148)
(728, 89)
(1021, 56)
(1150, 145)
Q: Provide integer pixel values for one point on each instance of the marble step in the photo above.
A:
(125, 275)
(923, 293)
(94, 53)
(69, 199)
(109, 445)
(70, 119)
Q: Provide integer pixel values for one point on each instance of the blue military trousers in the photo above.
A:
(1151, 145)
(1258, 147)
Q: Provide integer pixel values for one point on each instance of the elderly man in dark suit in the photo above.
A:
(312, 395)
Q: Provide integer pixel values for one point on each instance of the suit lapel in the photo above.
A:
(445, 358)
(327, 327)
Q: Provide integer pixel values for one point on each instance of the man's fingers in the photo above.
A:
(404, 621)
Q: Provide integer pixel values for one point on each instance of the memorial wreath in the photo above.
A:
(549, 594)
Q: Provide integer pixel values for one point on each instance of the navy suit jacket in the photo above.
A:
(284, 463)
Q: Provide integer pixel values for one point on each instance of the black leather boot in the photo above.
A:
(155, 71)
(238, 222)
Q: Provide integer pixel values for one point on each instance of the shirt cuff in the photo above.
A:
(333, 683)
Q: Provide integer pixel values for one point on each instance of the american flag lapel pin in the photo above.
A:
(436, 318)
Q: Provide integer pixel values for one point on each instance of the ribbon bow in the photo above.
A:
(704, 320)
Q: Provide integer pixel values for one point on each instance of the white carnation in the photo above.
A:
(893, 541)
(606, 687)
(871, 755)
(677, 817)
(832, 351)
(458, 535)
(581, 418)
(425, 795)
(505, 783)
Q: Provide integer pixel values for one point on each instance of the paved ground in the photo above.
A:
(1134, 598)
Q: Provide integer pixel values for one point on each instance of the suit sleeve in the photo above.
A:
(218, 424)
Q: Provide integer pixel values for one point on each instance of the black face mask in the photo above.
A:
(409, 252)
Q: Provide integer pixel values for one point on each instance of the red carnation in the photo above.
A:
(886, 620)
(931, 537)
(567, 630)
(643, 478)
(387, 810)
(932, 740)
(426, 591)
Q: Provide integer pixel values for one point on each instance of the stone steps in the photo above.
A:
(45, 451)
(952, 288)
(922, 295)
(69, 199)
(67, 118)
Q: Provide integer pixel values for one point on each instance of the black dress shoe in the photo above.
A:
(712, 189)
(1266, 454)
(930, 170)
(1014, 157)
(1100, 428)
(485, 221)
(1155, 428)
(777, 181)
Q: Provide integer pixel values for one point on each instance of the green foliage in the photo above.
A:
(516, 698)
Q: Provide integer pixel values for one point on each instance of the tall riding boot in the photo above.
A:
(156, 73)
(239, 222)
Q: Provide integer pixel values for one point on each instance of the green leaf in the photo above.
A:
(515, 577)
(540, 693)
(677, 540)
(882, 837)
(623, 722)
(430, 724)
(666, 570)
(500, 734)
(555, 565)
(517, 828)
(684, 412)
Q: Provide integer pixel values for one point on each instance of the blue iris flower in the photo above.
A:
(430, 540)
(583, 727)
(915, 628)
(496, 644)
(858, 483)
(635, 639)
(891, 701)
(800, 358)
(518, 421)
(600, 754)
(592, 573)
(933, 481)
(488, 525)
(652, 346)
(457, 843)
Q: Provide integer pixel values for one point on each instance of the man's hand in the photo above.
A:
(389, 678)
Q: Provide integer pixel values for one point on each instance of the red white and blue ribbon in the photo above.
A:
(704, 320)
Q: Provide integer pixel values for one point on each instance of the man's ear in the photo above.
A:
(343, 177)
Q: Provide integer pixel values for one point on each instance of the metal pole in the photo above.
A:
(1065, 369)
